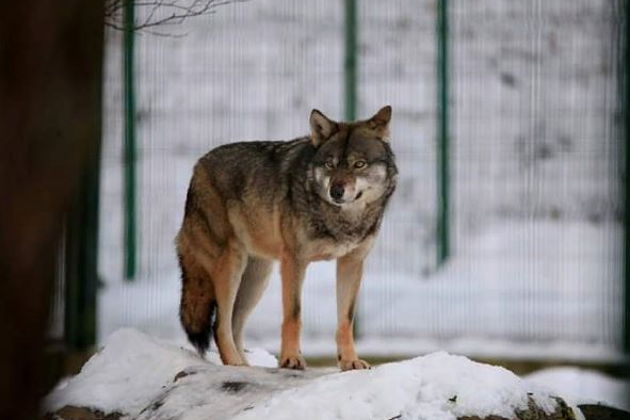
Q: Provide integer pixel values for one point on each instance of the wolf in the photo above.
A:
(317, 197)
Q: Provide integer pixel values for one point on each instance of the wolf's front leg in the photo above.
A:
(292, 273)
(349, 272)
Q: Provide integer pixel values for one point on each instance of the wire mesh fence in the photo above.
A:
(535, 192)
(537, 141)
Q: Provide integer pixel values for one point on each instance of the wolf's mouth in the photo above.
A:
(341, 201)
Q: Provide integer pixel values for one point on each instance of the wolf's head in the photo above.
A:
(353, 163)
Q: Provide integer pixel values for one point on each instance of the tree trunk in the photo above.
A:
(50, 110)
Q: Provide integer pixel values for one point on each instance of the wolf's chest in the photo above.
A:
(328, 249)
(335, 237)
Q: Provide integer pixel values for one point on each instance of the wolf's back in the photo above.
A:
(257, 169)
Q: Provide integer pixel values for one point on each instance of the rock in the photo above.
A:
(534, 412)
(602, 412)
(81, 413)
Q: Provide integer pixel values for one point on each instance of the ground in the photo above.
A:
(139, 377)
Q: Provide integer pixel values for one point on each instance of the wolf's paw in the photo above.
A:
(234, 359)
(353, 364)
(292, 362)
(235, 362)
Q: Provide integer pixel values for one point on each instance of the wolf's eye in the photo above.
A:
(329, 164)
(359, 164)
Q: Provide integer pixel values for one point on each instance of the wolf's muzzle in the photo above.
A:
(336, 192)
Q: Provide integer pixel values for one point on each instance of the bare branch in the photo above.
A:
(154, 13)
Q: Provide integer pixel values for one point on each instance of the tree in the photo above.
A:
(50, 123)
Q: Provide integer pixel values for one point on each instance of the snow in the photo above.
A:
(139, 376)
(437, 386)
(583, 386)
(130, 369)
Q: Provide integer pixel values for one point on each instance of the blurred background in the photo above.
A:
(505, 239)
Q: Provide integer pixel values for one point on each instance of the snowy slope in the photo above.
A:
(146, 378)
(130, 370)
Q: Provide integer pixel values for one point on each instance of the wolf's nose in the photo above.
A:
(336, 191)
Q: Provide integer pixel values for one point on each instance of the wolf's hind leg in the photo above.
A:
(227, 278)
(253, 284)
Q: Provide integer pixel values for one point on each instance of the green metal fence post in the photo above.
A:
(350, 88)
(443, 139)
(350, 61)
(130, 141)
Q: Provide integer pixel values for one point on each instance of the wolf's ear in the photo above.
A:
(321, 127)
(380, 122)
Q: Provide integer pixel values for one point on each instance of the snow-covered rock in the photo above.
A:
(130, 370)
(145, 378)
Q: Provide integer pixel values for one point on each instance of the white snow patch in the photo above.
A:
(130, 369)
(259, 357)
(135, 374)
(437, 386)
(583, 386)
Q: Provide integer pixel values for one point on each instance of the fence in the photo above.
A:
(537, 183)
(535, 155)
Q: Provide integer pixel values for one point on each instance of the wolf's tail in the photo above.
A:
(197, 306)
